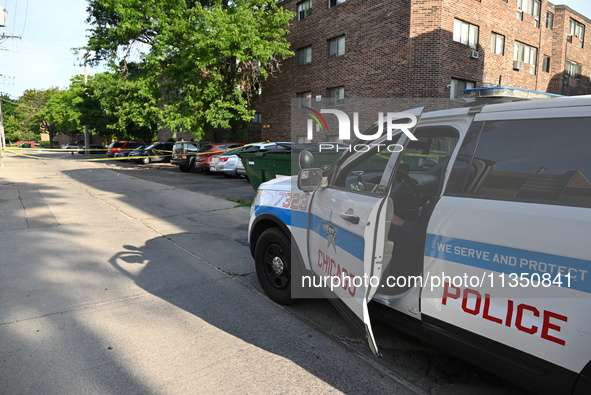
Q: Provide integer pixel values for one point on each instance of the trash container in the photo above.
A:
(262, 166)
(25, 145)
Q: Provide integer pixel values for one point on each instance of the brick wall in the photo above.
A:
(405, 49)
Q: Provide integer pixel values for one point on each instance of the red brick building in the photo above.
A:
(424, 49)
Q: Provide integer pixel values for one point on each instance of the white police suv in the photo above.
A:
(473, 233)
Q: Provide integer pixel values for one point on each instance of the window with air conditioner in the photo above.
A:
(577, 29)
(526, 54)
(531, 7)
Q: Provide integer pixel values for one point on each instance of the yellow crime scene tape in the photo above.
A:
(63, 150)
(10, 151)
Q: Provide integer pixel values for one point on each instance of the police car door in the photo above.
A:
(349, 224)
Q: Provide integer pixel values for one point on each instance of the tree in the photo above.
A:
(30, 112)
(201, 62)
(127, 103)
(61, 111)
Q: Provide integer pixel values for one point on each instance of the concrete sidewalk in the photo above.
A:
(110, 284)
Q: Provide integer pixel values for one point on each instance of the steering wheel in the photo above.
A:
(406, 195)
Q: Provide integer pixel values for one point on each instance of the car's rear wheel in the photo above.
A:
(273, 265)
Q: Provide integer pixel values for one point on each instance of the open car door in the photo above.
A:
(349, 224)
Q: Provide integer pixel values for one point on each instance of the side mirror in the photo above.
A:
(306, 159)
(309, 180)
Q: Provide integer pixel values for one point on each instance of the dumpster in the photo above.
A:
(25, 145)
(262, 165)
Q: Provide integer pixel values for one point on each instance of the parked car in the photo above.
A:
(207, 151)
(124, 155)
(227, 162)
(184, 153)
(155, 152)
(72, 146)
(94, 149)
(121, 146)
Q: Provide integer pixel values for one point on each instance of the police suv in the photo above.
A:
(473, 233)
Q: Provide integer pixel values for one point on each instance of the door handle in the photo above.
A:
(354, 219)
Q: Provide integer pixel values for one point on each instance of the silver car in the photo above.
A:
(228, 163)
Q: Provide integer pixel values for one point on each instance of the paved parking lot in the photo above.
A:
(123, 278)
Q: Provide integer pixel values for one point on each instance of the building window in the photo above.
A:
(458, 85)
(577, 29)
(465, 33)
(335, 95)
(526, 54)
(332, 3)
(304, 55)
(573, 69)
(497, 43)
(546, 64)
(336, 46)
(304, 9)
(531, 7)
(304, 99)
(549, 20)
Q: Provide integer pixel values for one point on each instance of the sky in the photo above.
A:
(43, 58)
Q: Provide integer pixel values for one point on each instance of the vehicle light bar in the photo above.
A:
(498, 92)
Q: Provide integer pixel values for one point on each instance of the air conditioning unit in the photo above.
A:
(517, 65)
(474, 54)
(569, 38)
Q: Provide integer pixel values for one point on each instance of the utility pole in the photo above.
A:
(3, 37)
(86, 136)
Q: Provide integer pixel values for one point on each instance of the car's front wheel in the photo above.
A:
(273, 265)
(145, 161)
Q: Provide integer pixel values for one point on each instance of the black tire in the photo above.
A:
(184, 169)
(145, 161)
(273, 265)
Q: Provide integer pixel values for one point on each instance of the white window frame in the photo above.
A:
(497, 43)
(465, 33)
(526, 54)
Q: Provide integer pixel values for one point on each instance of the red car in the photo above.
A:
(207, 151)
(119, 146)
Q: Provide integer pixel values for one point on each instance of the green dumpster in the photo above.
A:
(25, 145)
(262, 166)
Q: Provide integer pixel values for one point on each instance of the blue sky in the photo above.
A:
(43, 58)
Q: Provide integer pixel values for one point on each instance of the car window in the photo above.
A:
(539, 160)
(205, 148)
(365, 173)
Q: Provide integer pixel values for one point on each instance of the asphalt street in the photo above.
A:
(119, 279)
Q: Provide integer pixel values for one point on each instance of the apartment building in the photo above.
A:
(424, 49)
